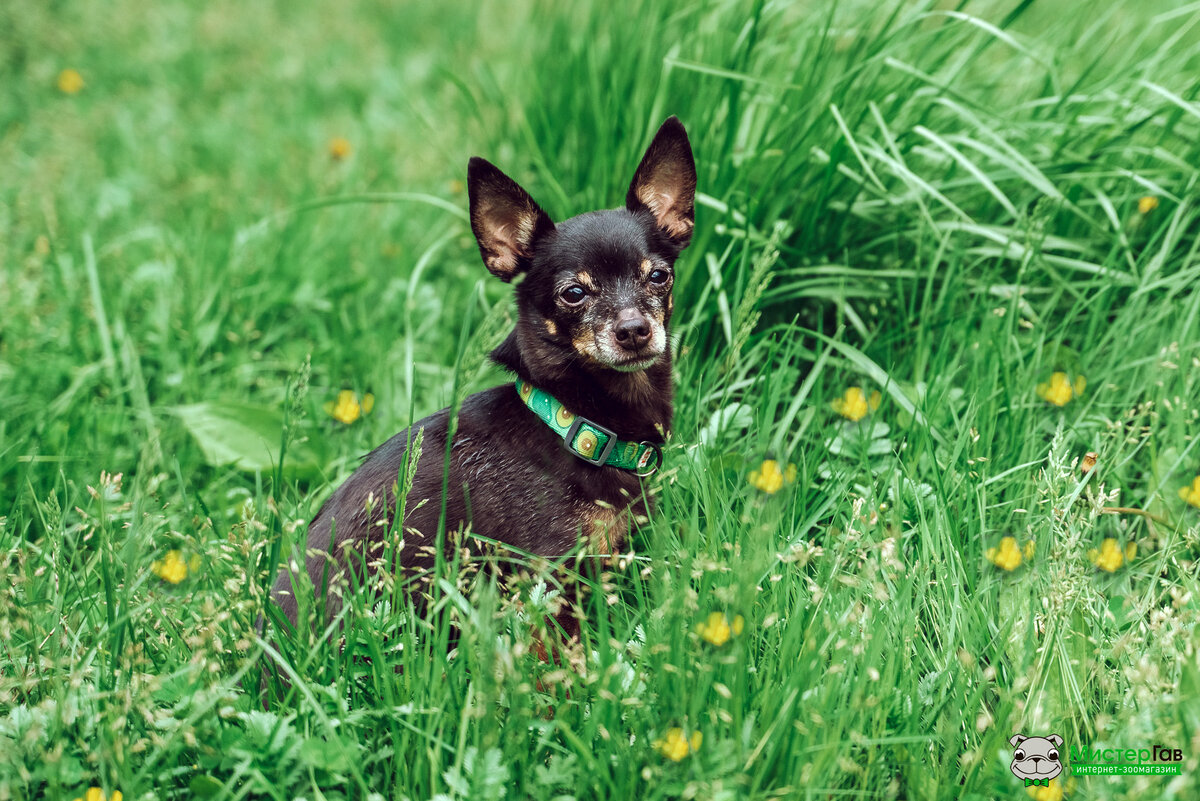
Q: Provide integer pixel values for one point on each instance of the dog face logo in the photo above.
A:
(1036, 759)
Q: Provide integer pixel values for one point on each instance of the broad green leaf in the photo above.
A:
(205, 786)
(245, 436)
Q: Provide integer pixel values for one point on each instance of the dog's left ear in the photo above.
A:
(1054, 738)
(665, 183)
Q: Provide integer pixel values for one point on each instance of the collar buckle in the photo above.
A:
(573, 430)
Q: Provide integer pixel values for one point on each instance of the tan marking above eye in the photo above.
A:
(647, 265)
(585, 278)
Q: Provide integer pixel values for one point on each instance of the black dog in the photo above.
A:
(560, 455)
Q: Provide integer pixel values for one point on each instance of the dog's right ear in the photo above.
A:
(505, 219)
(1017, 739)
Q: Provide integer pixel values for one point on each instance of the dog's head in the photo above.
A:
(596, 290)
(1036, 757)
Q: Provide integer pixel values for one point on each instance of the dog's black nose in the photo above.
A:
(632, 329)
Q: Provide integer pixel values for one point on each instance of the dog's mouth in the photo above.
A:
(634, 364)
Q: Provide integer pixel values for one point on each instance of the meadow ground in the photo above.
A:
(215, 218)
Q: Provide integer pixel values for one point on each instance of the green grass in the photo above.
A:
(935, 202)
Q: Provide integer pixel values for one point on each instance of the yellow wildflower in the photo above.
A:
(718, 627)
(676, 745)
(96, 794)
(855, 404)
(1009, 555)
(1060, 389)
(170, 568)
(1191, 494)
(347, 409)
(1147, 204)
(339, 148)
(70, 82)
(1111, 556)
(770, 479)
(1050, 792)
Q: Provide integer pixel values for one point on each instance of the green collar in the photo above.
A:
(591, 442)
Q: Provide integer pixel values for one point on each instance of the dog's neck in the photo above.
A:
(636, 406)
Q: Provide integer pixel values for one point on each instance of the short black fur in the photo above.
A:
(593, 310)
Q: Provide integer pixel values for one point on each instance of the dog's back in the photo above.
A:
(497, 483)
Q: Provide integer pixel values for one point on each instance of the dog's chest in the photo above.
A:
(605, 527)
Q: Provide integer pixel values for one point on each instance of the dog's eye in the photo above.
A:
(1053, 755)
(659, 276)
(1018, 754)
(573, 295)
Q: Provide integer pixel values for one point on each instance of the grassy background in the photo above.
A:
(938, 202)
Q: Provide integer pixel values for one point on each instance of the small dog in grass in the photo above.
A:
(558, 456)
